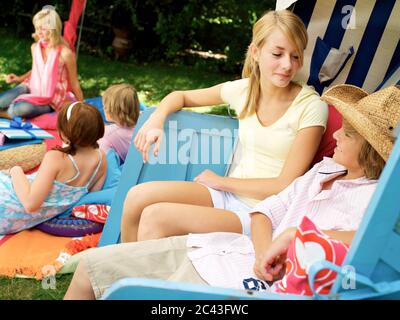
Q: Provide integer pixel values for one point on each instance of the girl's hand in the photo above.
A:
(12, 78)
(272, 263)
(210, 179)
(151, 132)
(259, 266)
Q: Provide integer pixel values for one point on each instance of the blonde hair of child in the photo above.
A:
(122, 103)
(49, 19)
(294, 29)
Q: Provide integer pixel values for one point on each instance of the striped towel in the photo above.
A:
(350, 41)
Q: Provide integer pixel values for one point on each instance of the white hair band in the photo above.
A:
(71, 106)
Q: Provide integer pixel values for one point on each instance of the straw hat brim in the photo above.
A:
(344, 98)
(27, 157)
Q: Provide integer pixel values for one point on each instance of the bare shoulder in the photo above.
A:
(53, 161)
(66, 53)
(54, 155)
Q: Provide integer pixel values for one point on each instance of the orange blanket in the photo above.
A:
(34, 253)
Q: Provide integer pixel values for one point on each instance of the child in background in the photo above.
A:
(65, 175)
(121, 106)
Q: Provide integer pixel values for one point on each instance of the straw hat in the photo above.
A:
(374, 116)
(27, 157)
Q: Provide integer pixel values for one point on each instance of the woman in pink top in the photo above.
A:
(53, 80)
(121, 106)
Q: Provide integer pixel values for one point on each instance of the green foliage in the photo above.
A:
(153, 81)
(160, 29)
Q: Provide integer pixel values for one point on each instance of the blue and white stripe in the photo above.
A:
(350, 41)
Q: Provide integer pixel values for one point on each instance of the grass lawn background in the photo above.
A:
(152, 81)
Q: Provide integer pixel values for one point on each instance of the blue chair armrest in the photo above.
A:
(155, 289)
(374, 289)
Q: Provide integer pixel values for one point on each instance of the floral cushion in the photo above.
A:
(92, 212)
(309, 246)
(70, 227)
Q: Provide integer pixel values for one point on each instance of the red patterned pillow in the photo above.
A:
(310, 245)
(93, 212)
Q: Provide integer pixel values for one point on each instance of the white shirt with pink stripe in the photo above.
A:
(226, 259)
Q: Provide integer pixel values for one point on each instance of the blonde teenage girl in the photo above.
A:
(280, 126)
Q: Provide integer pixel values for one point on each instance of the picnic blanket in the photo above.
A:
(27, 252)
(33, 253)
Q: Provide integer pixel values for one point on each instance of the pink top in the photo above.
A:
(118, 138)
(61, 93)
(48, 82)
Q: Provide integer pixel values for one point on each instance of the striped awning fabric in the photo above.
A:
(350, 41)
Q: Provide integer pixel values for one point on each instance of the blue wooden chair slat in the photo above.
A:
(154, 289)
(192, 143)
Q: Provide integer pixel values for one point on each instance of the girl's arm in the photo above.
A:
(273, 259)
(261, 232)
(32, 195)
(152, 130)
(13, 78)
(344, 236)
(261, 236)
(70, 62)
(297, 163)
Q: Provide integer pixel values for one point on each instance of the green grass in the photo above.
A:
(31, 289)
(153, 81)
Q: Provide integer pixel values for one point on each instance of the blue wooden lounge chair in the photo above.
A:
(374, 257)
(194, 138)
(359, 34)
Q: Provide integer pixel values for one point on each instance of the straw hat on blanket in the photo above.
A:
(27, 157)
(374, 116)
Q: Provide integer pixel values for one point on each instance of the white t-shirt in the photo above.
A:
(262, 150)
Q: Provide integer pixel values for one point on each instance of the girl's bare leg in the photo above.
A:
(143, 195)
(171, 219)
(80, 287)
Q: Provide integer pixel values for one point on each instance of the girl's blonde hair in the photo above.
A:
(49, 19)
(122, 103)
(368, 158)
(294, 29)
